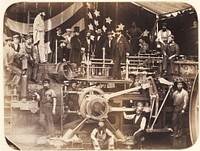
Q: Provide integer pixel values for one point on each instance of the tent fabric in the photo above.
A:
(163, 8)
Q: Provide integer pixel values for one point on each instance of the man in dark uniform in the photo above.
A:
(139, 123)
(180, 98)
(102, 137)
(55, 44)
(98, 44)
(120, 48)
(16, 46)
(108, 46)
(47, 97)
(75, 55)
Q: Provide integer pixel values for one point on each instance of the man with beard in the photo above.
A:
(102, 137)
(180, 98)
(47, 97)
(139, 123)
(120, 48)
(98, 44)
(88, 43)
(38, 35)
(134, 32)
(67, 36)
(163, 38)
(56, 43)
(75, 55)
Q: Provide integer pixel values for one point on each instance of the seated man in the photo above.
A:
(139, 123)
(102, 136)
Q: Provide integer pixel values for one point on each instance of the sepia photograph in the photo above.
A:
(100, 75)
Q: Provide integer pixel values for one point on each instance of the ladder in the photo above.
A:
(30, 19)
(7, 116)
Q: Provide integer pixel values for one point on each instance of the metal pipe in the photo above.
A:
(161, 106)
(56, 55)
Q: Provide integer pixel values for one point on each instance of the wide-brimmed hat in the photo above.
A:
(8, 39)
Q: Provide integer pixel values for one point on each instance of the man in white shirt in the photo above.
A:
(102, 136)
(139, 123)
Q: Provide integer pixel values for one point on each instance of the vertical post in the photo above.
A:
(127, 65)
(104, 53)
(88, 67)
(116, 14)
(56, 53)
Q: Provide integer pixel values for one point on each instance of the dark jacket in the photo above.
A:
(108, 50)
(98, 45)
(75, 55)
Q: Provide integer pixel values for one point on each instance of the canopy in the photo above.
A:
(163, 8)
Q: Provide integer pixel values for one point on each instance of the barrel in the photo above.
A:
(62, 71)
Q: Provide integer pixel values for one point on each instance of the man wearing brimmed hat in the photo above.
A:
(9, 55)
(180, 98)
(139, 123)
(47, 97)
(75, 55)
(108, 45)
(120, 48)
(102, 137)
(38, 35)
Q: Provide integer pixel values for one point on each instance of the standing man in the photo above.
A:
(139, 123)
(16, 46)
(120, 48)
(55, 44)
(38, 35)
(75, 55)
(180, 98)
(108, 46)
(88, 43)
(102, 137)
(47, 97)
(134, 32)
(32, 58)
(98, 44)
(172, 51)
(68, 36)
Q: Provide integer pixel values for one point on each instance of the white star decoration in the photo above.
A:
(121, 26)
(145, 33)
(96, 22)
(90, 15)
(97, 13)
(104, 28)
(90, 26)
(108, 20)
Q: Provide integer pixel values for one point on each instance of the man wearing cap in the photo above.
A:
(120, 48)
(139, 123)
(180, 98)
(102, 137)
(16, 43)
(47, 97)
(75, 55)
(134, 33)
(172, 51)
(108, 45)
(68, 36)
(56, 44)
(38, 35)
(9, 55)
